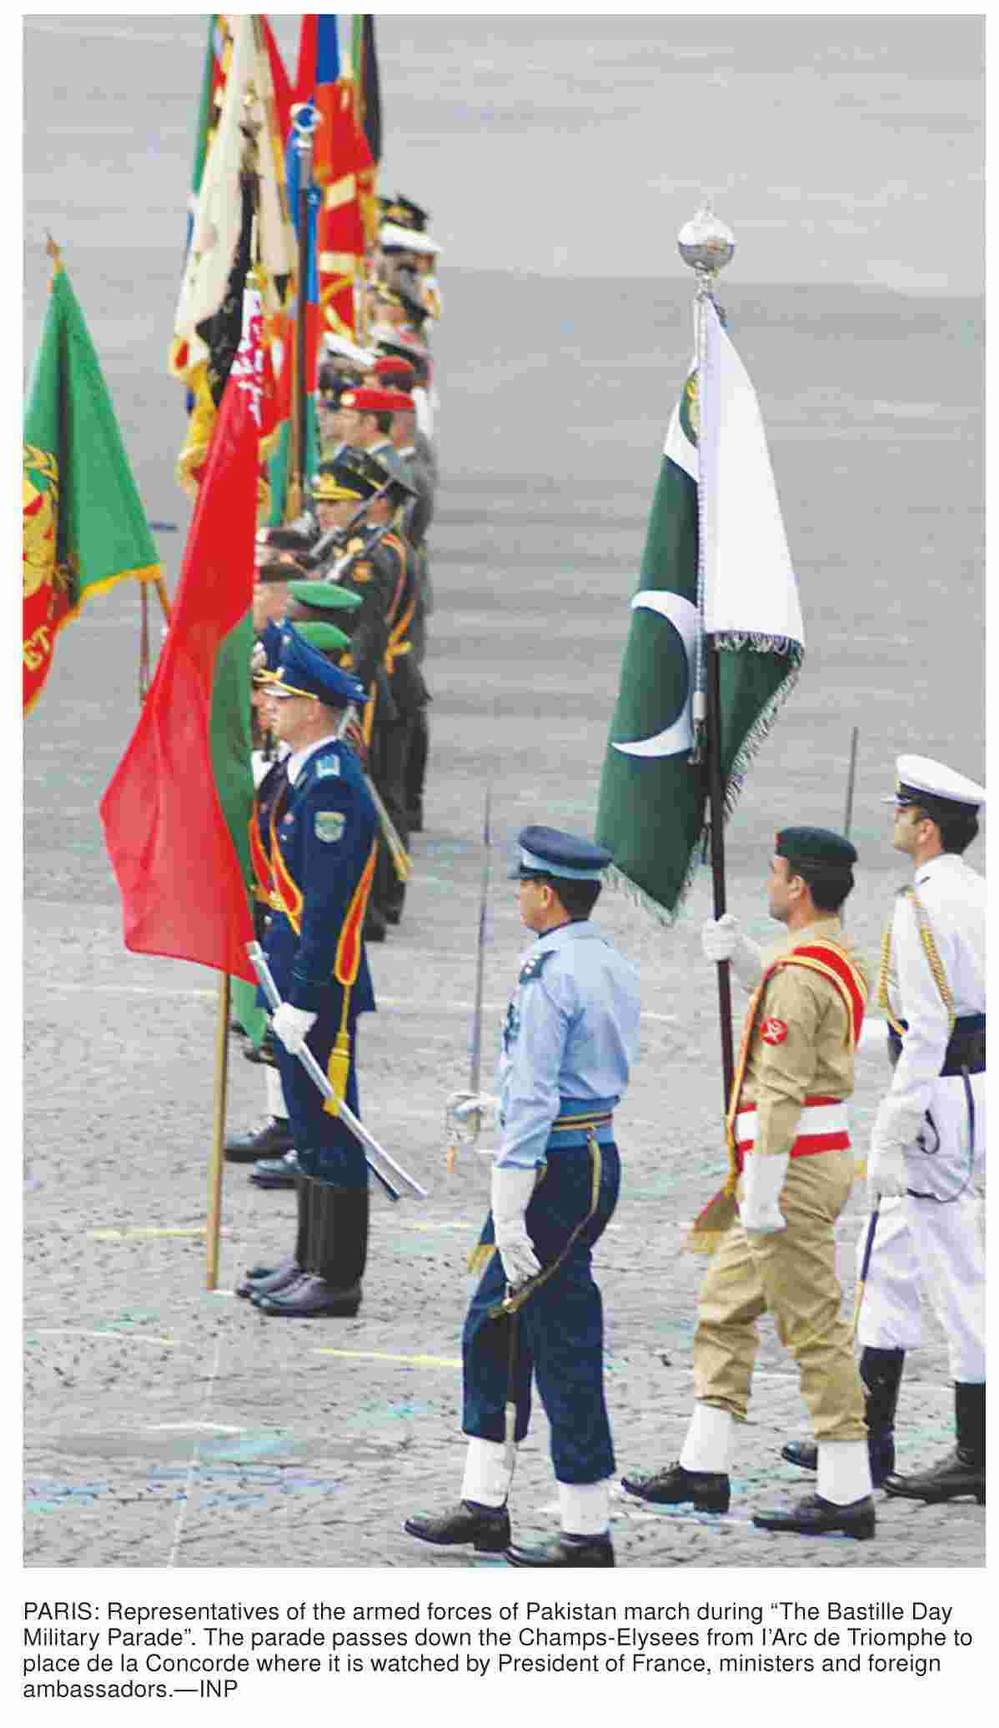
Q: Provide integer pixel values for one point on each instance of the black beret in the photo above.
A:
(819, 847)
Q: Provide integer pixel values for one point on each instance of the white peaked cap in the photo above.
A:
(922, 774)
(408, 239)
(334, 343)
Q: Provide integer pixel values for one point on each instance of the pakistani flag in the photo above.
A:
(652, 797)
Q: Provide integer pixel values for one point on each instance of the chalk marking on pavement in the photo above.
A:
(104, 1332)
(134, 1232)
(190, 1428)
(387, 1356)
(178, 1529)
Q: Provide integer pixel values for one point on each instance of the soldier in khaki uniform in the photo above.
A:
(792, 1168)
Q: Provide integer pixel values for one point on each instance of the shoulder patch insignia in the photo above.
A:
(534, 967)
(773, 1031)
(361, 571)
(330, 824)
(327, 767)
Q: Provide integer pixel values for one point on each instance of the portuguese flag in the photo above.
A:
(176, 813)
(84, 527)
(652, 810)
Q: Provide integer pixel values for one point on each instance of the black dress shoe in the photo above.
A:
(309, 1299)
(880, 1451)
(273, 1140)
(487, 1528)
(276, 1172)
(375, 928)
(814, 1516)
(565, 1550)
(257, 1275)
(952, 1478)
(708, 1490)
(271, 1280)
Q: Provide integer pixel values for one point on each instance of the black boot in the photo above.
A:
(814, 1516)
(487, 1528)
(273, 1140)
(963, 1471)
(565, 1550)
(708, 1490)
(881, 1372)
(263, 1280)
(338, 1253)
(275, 1172)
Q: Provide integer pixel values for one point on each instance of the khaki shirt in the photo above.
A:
(812, 1056)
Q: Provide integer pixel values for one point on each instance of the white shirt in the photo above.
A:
(952, 896)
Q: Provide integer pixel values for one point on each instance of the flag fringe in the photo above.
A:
(734, 640)
(615, 879)
(761, 726)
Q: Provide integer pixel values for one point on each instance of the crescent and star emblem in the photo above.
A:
(678, 735)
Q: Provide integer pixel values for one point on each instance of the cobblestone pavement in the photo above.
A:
(168, 1425)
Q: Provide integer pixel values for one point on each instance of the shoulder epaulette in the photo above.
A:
(534, 967)
(327, 767)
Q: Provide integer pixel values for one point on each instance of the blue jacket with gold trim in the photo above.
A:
(322, 844)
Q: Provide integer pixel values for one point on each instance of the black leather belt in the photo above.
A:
(965, 1053)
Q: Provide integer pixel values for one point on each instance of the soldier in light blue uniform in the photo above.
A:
(569, 1038)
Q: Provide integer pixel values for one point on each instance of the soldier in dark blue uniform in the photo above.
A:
(570, 1035)
(321, 851)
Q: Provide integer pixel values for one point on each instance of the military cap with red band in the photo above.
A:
(369, 399)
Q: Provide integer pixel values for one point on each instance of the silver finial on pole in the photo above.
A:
(706, 243)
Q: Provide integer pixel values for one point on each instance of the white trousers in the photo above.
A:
(934, 1247)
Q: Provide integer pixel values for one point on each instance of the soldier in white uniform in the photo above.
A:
(928, 1141)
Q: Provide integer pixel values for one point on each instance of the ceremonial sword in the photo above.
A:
(475, 1058)
(378, 1160)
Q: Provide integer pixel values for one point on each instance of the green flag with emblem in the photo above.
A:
(651, 810)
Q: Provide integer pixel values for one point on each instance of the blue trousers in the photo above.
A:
(556, 1337)
(327, 1150)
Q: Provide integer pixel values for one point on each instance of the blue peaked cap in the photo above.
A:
(270, 639)
(550, 852)
(303, 671)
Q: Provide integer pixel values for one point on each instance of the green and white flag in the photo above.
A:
(652, 798)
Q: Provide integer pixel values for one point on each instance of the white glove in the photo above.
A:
(470, 1112)
(511, 1194)
(895, 1127)
(722, 939)
(292, 1026)
(762, 1180)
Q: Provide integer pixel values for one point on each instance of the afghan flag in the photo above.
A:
(177, 811)
(84, 527)
(652, 805)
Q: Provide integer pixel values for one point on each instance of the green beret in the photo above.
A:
(819, 847)
(325, 596)
(326, 637)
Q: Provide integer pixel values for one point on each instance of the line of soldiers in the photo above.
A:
(568, 1044)
(348, 580)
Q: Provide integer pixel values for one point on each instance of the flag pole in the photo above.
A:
(305, 118)
(706, 244)
(214, 1219)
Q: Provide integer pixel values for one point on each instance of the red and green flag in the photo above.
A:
(84, 525)
(177, 810)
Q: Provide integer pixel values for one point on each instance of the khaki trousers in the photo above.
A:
(790, 1275)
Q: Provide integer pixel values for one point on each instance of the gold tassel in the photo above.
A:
(337, 1070)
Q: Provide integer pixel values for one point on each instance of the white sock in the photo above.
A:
(487, 1472)
(275, 1096)
(708, 1445)
(585, 1508)
(844, 1471)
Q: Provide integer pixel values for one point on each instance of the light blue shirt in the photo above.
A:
(571, 1032)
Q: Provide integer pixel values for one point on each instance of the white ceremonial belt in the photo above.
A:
(823, 1126)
